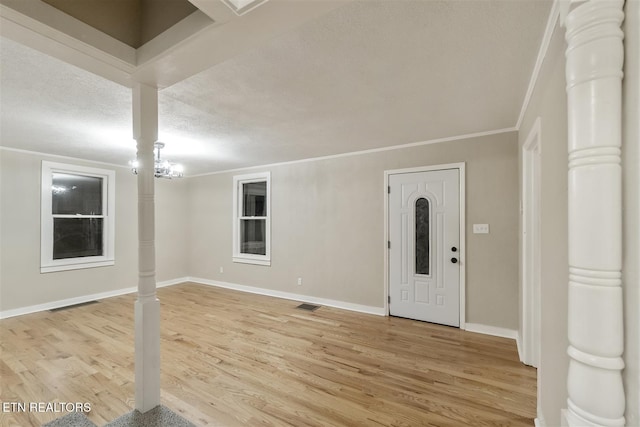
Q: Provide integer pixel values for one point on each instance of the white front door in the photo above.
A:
(424, 253)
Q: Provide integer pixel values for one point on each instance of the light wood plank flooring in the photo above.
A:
(237, 359)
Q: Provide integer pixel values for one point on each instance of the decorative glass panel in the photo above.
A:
(422, 236)
(253, 236)
(77, 237)
(254, 196)
(76, 194)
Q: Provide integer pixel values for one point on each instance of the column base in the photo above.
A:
(574, 418)
(147, 356)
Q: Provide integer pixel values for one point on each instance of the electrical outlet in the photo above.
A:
(221, 270)
(480, 228)
(299, 281)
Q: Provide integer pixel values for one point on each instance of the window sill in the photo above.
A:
(266, 262)
(65, 267)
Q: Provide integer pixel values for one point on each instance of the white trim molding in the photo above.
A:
(542, 54)
(530, 281)
(239, 217)
(539, 421)
(378, 311)
(81, 299)
(594, 59)
(58, 156)
(43, 27)
(48, 262)
(360, 308)
(369, 151)
(64, 303)
(495, 331)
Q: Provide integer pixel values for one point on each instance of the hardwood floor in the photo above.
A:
(237, 359)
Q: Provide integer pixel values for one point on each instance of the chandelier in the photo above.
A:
(163, 168)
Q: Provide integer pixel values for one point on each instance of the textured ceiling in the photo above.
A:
(366, 75)
(52, 107)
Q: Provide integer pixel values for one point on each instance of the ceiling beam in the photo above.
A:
(231, 36)
(44, 28)
(202, 40)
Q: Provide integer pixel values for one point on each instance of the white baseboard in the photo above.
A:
(171, 282)
(519, 346)
(379, 311)
(492, 330)
(81, 299)
(64, 302)
(539, 422)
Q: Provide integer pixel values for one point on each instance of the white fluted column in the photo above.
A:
(147, 306)
(594, 72)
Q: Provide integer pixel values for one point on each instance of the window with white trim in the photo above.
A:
(77, 227)
(252, 218)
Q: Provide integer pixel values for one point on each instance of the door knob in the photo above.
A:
(454, 260)
(454, 249)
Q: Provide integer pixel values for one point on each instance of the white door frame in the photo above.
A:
(530, 292)
(462, 256)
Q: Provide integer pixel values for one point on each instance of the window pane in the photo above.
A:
(76, 194)
(253, 236)
(77, 237)
(422, 236)
(254, 199)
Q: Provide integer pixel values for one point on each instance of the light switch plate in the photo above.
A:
(480, 228)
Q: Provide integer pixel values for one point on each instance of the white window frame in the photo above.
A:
(238, 181)
(47, 263)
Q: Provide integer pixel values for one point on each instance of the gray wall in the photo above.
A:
(328, 226)
(22, 285)
(171, 228)
(549, 102)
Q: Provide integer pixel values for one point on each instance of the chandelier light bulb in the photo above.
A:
(162, 168)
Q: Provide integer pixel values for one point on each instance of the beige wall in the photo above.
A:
(631, 215)
(22, 285)
(328, 226)
(549, 102)
(171, 228)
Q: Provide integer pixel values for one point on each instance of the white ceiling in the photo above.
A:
(365, 75)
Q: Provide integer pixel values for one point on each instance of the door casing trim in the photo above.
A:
(461, 169)
(530, 249)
